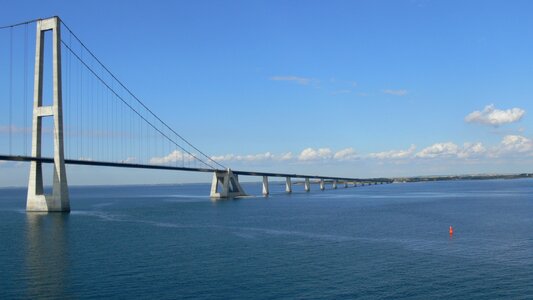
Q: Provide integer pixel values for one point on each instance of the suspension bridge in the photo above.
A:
(80, 113)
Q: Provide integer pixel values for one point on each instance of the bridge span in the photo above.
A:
(321, 180)
(96, 120)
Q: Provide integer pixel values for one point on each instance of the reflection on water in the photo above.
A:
(46, 255)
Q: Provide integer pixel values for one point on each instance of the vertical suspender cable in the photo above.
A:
(100, 133)
(140, 139)
(113, 127)
(25, 123)
(147, 143)
(78, 111)
(80, 102)
(108, 117)
(122, 129)
(69, 100)
(121, 132)
(91, 114)
(66, 87)
(108, 114)
(10, 89)
(113, 132)
(129, 118)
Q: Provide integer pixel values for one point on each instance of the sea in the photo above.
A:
(387, 241)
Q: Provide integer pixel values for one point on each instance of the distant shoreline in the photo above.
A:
(461, 177)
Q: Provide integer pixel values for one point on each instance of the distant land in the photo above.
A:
(461, 177)
(373, 181)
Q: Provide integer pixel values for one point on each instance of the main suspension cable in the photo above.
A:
(132, 108)
(138, 100)
(19, 24)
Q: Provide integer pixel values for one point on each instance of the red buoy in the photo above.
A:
(451, 230)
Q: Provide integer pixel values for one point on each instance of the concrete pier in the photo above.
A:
(226, 185)
(265, 186)
(288, 185)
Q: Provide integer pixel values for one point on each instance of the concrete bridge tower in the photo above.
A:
(59, 199)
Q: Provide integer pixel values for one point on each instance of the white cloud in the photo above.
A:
(510, 146)
(310, 154)
(451, 150)
(220, 158)
(267, 156)
(286, 156)
(471, 150)
(248, 158)
(174, 156)
(296, 79)
(394, 154)
(396, 92)
(439, 150)
(345, 154)
(516, 144)
(495, 117)
(257, 157)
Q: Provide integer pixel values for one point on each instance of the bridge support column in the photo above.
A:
(226, 185)
(307, 185)
(288, 185)
(59, 199)
(345, 184)
(334, 185)
(322, 184)
(266, 191)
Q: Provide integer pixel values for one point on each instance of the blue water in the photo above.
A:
(168, 242)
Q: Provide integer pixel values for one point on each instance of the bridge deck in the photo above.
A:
(205, 170)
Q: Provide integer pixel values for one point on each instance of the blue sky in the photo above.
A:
(383, 88)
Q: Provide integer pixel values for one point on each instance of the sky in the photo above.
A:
(339, 88)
